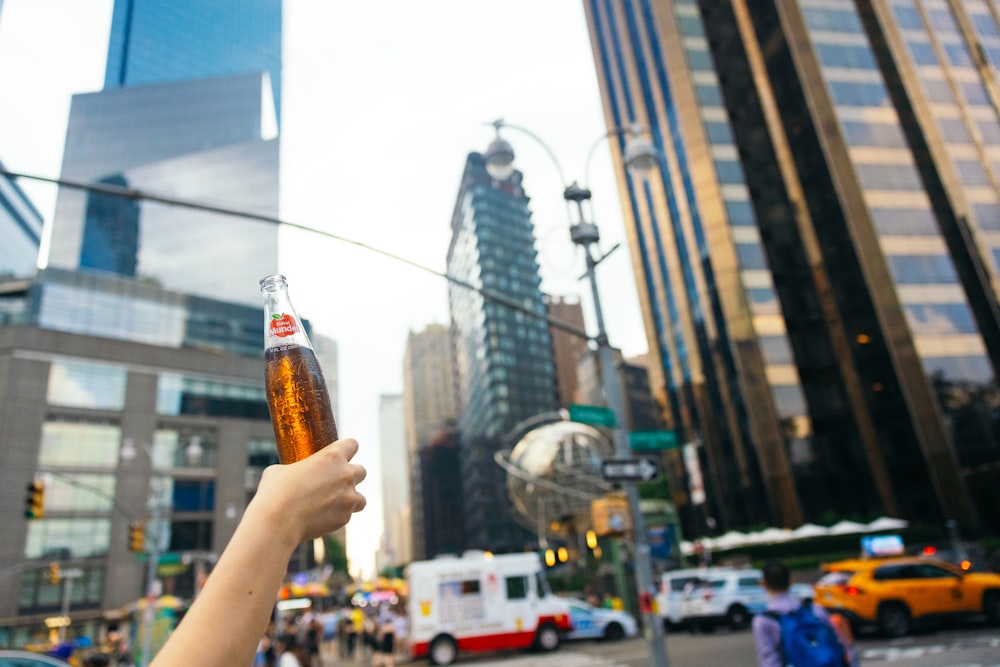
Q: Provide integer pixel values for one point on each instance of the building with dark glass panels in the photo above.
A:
(818, 251)
(156, 42)
(20, 229)
(503, 358)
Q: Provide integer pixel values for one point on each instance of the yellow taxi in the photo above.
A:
(896, 592)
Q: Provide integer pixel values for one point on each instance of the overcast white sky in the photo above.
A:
(383, 101)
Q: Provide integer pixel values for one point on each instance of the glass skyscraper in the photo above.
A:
(20, 229)
(503, 358)
(189, 110)
(818, 251)
(158, 42)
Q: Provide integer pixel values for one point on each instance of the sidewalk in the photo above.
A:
(331, 660)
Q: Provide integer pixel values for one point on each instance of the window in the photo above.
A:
(470, 587)
(928, 571)
(749, 581)
(79, 444)
(81, 384)
(893, 572)
(922, 269)
(517, 588)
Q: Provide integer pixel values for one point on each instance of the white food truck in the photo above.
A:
(482, 602)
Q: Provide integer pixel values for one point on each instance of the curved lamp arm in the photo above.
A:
(500, 122)
(634, 129)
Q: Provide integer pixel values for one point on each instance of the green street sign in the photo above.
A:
(592, 414)
(646, 441)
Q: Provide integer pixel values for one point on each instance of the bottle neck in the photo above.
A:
(282, 325)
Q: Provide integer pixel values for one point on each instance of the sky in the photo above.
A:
(382, 103)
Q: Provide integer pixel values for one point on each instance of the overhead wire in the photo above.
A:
(142, 195)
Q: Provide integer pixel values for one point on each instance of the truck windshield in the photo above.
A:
(542, 584)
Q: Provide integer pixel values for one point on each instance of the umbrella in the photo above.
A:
(771, 535)
(886, 523)
(848, 527)
(809, 530)
(733, 538)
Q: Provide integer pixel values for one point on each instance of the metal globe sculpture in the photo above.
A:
(554, 471)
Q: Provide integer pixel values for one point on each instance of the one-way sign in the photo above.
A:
(630, 470)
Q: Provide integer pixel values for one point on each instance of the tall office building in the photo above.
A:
(20, 229)
(428, 403)
(155, 42)
(567, 349)
(503, 358)
(818, 251)
(396, 546)
(182, 115)
(89, 364)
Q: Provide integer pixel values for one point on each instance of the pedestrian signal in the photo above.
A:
(55, 574)
(34, 502)
(136, 537)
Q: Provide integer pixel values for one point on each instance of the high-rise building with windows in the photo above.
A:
(155, 42)
(396, 547)
(428, 404)
(567, 348)
(503, 358)
(818, 250)
(189, 110)
(88, 364)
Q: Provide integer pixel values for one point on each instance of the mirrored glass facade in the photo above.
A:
(20, 229)
(503, 358)
(202, 140)
(816, 252)
(153, 42)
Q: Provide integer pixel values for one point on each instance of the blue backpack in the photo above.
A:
(807, 640)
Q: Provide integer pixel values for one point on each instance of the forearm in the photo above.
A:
(229, 615)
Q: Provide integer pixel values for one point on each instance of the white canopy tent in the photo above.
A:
(735, 538)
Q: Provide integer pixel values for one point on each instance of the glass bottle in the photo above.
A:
(297, 396)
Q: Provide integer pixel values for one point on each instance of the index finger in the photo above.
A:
(348, 446)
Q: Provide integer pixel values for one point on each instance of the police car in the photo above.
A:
(590, 622)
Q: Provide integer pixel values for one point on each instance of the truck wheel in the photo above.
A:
(614, 633)
(547, 638)
(894, 619)
(443, 651)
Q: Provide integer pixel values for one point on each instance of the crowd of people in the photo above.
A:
(372, 635)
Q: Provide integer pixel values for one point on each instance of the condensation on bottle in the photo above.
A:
(298, 399)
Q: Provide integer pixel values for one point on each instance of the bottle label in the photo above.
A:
(282, 325)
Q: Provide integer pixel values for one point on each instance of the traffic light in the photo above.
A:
(55, 574)
(34, 502)
(136, 537)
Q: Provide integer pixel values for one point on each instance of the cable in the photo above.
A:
(141, 195)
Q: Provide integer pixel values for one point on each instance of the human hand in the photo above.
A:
(315, 496)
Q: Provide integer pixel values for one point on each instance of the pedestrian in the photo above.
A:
(313, 637)
(385, 645)
(291, 653)
(294, 503)
(792, 631)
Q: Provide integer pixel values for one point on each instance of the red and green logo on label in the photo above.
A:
(283, 324)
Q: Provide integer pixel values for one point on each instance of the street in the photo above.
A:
(975, 646)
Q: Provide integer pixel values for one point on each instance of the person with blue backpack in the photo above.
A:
(796, 633)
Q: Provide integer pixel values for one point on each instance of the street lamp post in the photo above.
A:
(640, 157)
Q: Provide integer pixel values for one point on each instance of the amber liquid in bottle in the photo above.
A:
(297, 396)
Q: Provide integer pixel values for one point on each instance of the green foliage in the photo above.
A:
(335, 554)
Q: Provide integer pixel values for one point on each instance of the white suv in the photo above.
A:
(673, 585)
(724, 598)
